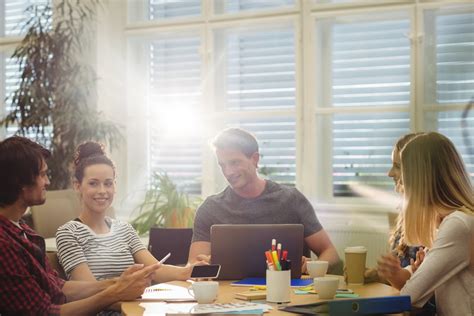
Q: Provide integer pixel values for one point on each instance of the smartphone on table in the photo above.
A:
(210, 271)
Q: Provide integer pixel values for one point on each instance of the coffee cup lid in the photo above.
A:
(356, 249)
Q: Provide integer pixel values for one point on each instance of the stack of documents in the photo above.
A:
(167, 293)
(194, 308)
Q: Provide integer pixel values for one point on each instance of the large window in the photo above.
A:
(13, 13)
(326, 86)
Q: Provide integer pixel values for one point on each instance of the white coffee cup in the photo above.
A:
(317, 268)
(326, 286)
(204, 292)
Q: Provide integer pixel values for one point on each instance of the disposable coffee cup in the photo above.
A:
(204, 292)
(355, 264)
(278, 286)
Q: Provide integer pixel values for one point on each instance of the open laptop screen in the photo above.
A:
(240, 249)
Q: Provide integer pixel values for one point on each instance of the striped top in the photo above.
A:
(107, 255)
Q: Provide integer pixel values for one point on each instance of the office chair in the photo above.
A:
(174, 240)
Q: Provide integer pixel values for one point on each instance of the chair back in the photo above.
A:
(60, 207)
(174, 240)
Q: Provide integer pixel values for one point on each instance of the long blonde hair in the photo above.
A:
(397, 236)
(436, 183)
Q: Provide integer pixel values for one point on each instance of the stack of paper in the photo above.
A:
(230, 307)
(194, 308)
(168, 293)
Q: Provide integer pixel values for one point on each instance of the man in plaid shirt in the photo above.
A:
(28, 285)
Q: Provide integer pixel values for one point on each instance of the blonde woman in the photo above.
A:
(409, 257)
(438, 213)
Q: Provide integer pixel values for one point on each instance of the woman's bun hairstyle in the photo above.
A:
(88, 149)
(87, 154)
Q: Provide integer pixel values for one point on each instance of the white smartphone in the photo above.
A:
(210, 271)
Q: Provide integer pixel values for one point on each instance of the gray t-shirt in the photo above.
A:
(278, 204)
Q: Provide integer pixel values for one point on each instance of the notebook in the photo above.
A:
(240, 249)
(263, 282)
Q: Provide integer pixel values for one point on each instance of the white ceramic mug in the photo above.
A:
(317, 268)
(326, 286)
(204, 292)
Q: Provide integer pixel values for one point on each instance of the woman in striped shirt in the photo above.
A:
(95, 246)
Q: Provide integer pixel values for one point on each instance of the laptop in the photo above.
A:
(240, 249)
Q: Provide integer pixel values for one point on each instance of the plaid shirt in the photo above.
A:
(28, 284)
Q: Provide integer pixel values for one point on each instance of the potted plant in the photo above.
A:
(164, 206)
(54, 101)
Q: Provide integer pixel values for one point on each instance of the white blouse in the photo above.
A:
(448, 269)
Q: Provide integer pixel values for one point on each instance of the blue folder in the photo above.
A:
(262, 281)
(355, 307)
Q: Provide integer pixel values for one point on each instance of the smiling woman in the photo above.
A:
(95, 246)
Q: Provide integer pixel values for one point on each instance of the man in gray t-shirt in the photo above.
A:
(250, 199)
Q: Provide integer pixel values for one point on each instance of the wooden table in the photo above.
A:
(226, 295)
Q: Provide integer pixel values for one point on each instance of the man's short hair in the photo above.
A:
(236, 139)
(20, 164)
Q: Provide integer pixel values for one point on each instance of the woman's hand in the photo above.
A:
(420, 256)
(388, 267)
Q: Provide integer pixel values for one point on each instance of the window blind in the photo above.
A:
(235, 6)
(259, 76)
(362, 147)
(371, 63)
(455, 58)
(449, 124)
(175, 86)
(370, 67)
(260, 70)
(165, 9)
(14, 14)
(10, 84)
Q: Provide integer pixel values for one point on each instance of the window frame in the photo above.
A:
(313, 168)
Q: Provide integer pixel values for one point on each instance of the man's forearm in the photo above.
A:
(77, 290)
(92, 304)
(335, 264)
(330, 255)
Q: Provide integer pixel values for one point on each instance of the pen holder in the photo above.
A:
(278, 286)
